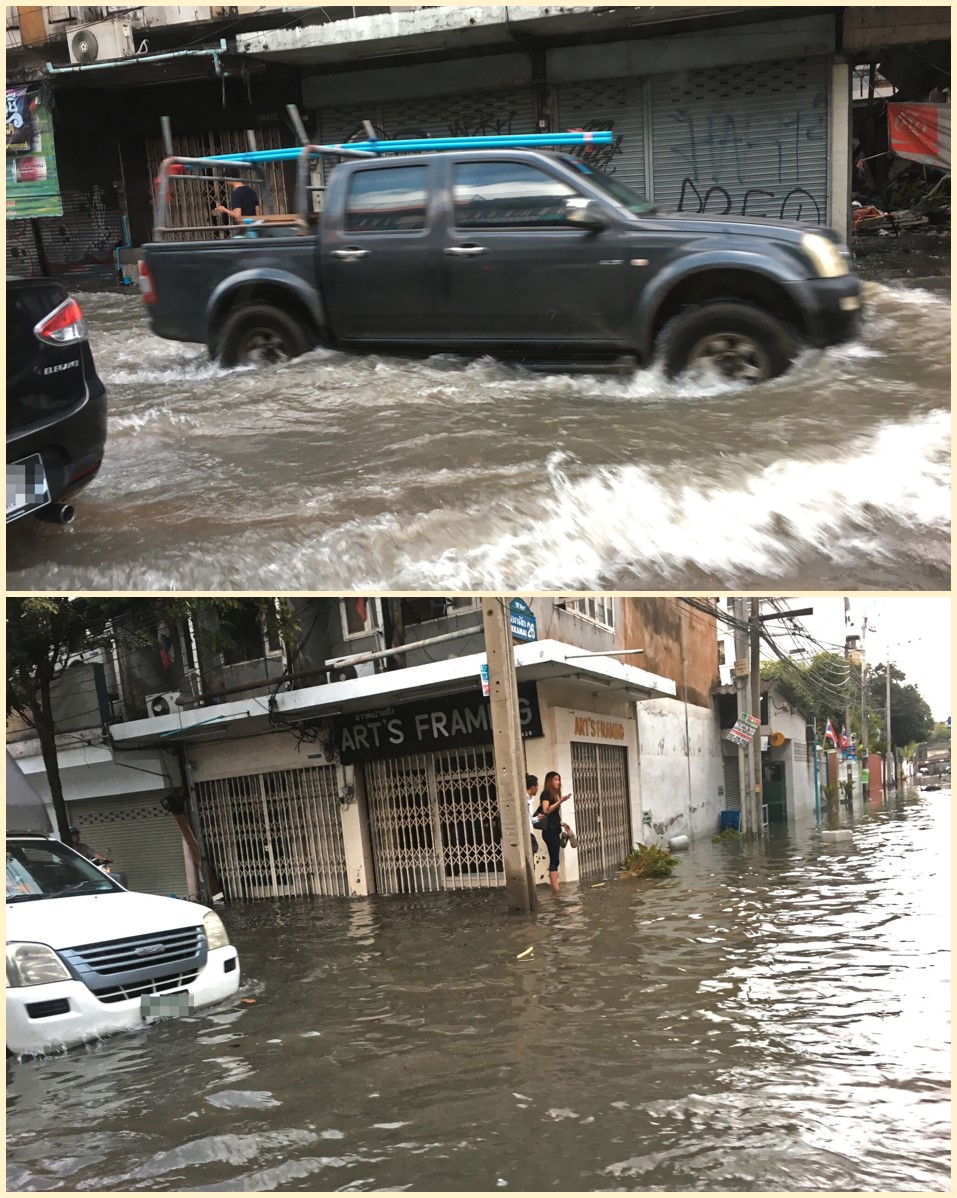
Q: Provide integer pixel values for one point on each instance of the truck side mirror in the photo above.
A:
(585, 213)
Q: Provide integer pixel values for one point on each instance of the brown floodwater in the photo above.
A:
(772, 1017)
(340, 472)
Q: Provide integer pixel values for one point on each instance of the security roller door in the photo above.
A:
(602, 820)
(732, 784)
(748, 140)
(467, 114)
(142, 839)
(433, 819)
(275, 834)
(614, 104)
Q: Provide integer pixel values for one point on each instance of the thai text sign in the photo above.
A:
(744, 730)
(920, 132)
(33, 188)
(444, 722)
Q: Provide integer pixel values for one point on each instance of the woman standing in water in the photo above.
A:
(552, 799)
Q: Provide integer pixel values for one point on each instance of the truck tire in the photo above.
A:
(262, 335)
(742, 343)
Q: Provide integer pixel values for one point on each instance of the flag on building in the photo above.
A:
(829, 734)
(845, 743)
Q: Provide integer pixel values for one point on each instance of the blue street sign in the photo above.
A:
(522, 621)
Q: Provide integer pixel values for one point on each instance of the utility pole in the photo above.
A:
(755, 633)
(509, 757)
(887, 721)
(864, 764)
(741, 670)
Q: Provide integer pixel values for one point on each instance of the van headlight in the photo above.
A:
(34, 965)
(215, 929)
(828, 260)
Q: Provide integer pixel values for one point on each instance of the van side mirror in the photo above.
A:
(585, 213)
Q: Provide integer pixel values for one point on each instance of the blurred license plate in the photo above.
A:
(166, 1006)
(27, 487)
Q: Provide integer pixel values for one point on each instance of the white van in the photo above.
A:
(86, 957)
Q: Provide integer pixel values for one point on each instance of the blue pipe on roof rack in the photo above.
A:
(601, 137)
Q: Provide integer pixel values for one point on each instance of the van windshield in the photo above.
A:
(41, 869)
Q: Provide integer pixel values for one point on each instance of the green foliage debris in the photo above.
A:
(648, 861)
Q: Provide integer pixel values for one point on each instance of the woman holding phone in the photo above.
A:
(552, 799)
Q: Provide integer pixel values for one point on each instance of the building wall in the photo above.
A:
(872, 27)
(681, 770)
(660, 626)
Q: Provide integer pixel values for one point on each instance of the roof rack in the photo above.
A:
(211, 167)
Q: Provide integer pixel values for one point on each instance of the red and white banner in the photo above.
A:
(920, 132)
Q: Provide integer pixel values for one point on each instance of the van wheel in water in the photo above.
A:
(738, 341)
(261, 335)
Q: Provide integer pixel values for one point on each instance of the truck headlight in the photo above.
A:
(827, 258)
(215, 929)
(33, 965)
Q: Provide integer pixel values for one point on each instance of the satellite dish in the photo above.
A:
(84, 46)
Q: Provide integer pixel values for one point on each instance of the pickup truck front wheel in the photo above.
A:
(262, 335)
(738, 341)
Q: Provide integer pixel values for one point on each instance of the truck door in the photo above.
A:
(381, 268)
(517, 271)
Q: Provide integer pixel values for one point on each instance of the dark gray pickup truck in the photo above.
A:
(524, 255)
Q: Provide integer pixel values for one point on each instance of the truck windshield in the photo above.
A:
(41, 869)
(618, 191)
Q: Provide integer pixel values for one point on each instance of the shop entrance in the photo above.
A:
(433, 819)
(602, 819)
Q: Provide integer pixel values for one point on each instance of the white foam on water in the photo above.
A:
(763, 524)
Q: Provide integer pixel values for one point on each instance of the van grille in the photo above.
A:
(135, 964)
(174, 981)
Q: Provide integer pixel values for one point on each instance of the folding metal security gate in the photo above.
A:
(602, 820)
(750, 140)
(190, 203)
(275, 834)
(434, 822)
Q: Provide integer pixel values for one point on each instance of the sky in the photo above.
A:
(917, 629)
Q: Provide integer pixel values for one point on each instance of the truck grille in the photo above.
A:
(173, 981)
(118, 969)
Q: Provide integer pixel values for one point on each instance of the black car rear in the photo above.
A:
(56, 403)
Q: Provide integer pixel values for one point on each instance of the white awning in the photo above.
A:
(536, 661)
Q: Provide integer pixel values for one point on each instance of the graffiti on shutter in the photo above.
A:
(434, 822)
(749, 140)
(275, 834)
(602, 820)
(613, 104)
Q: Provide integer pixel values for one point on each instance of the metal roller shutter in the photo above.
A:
(732, 785)
(467, 114)
(602, 821)
(143, 840)
(749, 140)
(614, 104)
(22, 258)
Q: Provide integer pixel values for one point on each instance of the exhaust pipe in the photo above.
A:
(57, 513)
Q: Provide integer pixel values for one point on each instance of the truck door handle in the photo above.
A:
(464, 251)
(353, 251)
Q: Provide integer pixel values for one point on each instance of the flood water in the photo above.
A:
(339, 472)
(771, 1017)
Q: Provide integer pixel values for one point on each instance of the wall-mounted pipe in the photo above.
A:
(122, 62)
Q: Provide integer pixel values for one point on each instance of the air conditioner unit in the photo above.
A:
(163, 703)
(101, 42)
(345, 673)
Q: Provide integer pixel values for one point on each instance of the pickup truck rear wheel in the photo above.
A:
(262, 335)
(738, 341)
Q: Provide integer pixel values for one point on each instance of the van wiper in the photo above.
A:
(25, 898)
(78, 886)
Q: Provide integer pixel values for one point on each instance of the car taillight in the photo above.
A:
(64, 325)
(147, 290)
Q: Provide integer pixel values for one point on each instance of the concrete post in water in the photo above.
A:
(509, 758)
(740, 686)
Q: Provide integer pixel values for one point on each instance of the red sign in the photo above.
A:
(920, 132)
